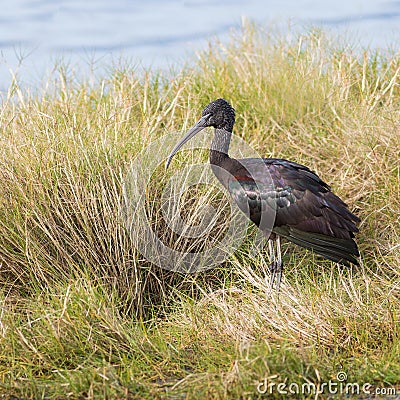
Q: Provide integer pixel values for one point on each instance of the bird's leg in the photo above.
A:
(279, 266)
(275, 266)
(272, 265)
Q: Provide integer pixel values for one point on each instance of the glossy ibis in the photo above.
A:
(305, 210)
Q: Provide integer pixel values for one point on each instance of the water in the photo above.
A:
(34, 34)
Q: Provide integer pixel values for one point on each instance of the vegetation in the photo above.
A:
(84, 315)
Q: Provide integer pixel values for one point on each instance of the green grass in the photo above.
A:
(84, 315)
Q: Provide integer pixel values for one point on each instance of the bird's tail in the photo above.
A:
(343, 251)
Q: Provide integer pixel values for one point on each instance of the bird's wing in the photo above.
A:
(299, 197)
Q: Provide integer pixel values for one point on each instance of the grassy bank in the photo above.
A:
(84, 315)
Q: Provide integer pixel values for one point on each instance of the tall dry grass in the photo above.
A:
(84, 314)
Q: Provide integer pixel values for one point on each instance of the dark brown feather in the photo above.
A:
(307, 212)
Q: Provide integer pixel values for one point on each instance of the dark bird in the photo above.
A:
(303, 208)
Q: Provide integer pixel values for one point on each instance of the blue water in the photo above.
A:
(35, 34)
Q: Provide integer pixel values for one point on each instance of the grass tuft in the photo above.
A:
(83, 314)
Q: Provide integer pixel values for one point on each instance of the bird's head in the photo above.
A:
(218, 114)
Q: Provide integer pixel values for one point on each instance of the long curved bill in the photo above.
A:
(200, 125)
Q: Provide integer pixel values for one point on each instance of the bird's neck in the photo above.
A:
(220, 146)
